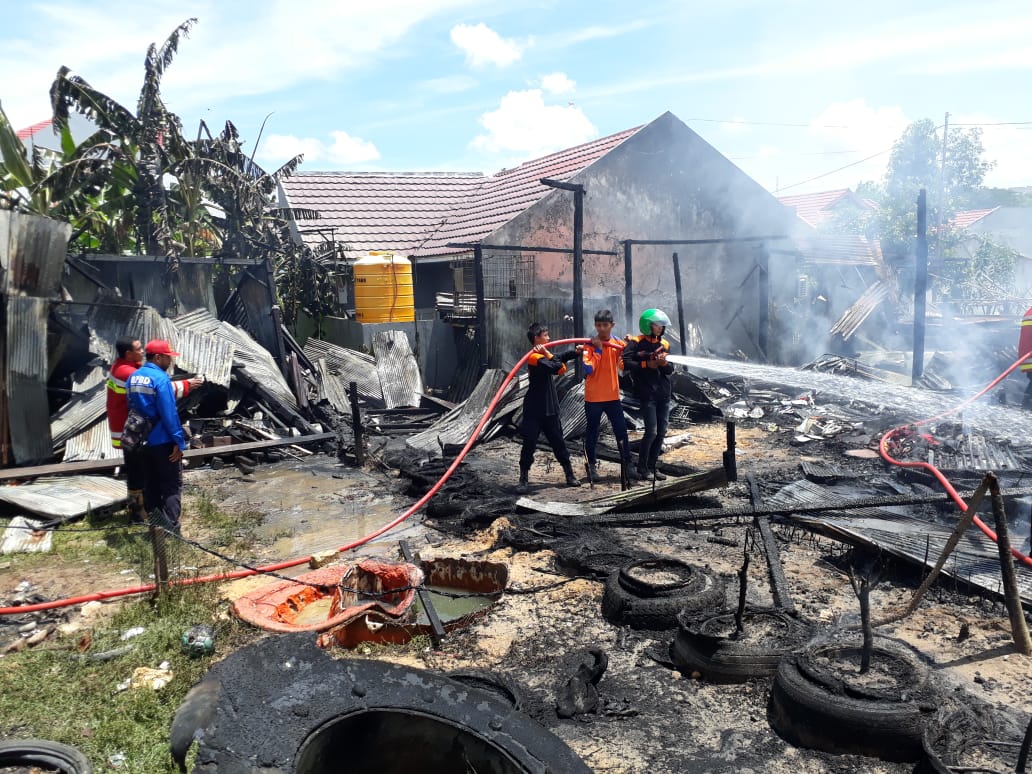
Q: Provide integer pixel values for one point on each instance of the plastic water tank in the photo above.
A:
(383, 289)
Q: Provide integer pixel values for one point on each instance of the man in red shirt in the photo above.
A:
(129, 353)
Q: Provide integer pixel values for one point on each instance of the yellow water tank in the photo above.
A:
(383, 288)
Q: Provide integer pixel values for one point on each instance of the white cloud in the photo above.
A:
(344, 149)
(525, 125)
(483, 46)
(856, 126)
(558, 83)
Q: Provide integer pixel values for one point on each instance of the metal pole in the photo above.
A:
(478, 284)
(920, 286)
(628, 279)
(680, 306)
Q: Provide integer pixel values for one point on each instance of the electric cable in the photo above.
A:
(99, 596)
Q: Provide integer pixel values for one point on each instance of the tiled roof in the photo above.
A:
(420, 213)
(27, 132)
(816, 207)
(381, 210)
(835, 250)
(508, 193)
(962, 220)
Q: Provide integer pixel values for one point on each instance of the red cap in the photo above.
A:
(159, 347)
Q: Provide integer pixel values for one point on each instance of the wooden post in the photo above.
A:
(628, 278)
(730, 459)
(481, 331)
(157, 536)
(356, 424)
(1011, 595)
(920, 286)
(680, 306)
(743, 589)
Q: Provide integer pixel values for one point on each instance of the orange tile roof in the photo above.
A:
(964, 219)
(815, 208)
(420, 213)
(27, 132)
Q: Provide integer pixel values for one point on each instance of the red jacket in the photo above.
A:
(118, 405)
(1025, 340)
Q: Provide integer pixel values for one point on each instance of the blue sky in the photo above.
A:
(789, 90)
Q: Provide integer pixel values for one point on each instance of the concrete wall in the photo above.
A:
(665, 182)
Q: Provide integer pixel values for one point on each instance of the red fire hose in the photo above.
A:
(102, 595)
(884, 451)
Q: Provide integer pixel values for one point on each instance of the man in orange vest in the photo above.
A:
(129, 352)
(602, 367)
(1024, 347)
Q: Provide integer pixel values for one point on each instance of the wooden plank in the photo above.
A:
(437, 628)
(90, 466)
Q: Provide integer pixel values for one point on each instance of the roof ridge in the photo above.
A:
(384, 173)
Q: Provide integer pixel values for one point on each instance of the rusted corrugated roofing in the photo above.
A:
(28, 406)
(349, 366)
(419, 213)
(397, 368)
(32, 253)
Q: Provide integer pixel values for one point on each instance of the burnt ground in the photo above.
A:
(650, 716)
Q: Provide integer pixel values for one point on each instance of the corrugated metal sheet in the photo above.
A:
(248, 355)
(398, 370)
(61, 499)
(83, 410)
(349, 366)
(200, 353)
(897, 531)
(117, 318)
(33, 254)
(854, 317)
(26, 364)
(457, 425)
(93, 443)
(332, 388)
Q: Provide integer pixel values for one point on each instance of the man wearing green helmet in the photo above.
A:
(645, 359)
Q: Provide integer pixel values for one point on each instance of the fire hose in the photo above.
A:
(98, 596)
(883, 449)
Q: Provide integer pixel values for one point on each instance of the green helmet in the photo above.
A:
(649, 316)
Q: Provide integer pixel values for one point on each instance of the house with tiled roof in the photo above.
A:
(660, 181)
(813, 209)
(1005, 226)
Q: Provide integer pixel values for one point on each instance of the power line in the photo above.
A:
(763, 123)
(832, 172)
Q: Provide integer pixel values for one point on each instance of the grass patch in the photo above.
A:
(235, 531)
(54, 692)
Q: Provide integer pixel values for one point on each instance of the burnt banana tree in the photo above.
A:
(139, 149)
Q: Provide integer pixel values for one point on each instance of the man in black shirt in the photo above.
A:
(541, 405)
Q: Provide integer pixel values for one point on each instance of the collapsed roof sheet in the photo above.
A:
(458, 425)
(398, 370)
(349, 366)
(61, 499)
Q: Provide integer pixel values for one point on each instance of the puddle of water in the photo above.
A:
(451, 608)
(317, 506)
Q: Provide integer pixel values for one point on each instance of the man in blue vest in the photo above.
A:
(153, 395)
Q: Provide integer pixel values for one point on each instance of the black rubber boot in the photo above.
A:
(571, 480)
(657, 475)
(137, 510)
(522, 486)
(593, 472)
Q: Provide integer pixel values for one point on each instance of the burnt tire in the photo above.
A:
(808, 710)
(625, 607)
(490, 682)
(702, 645)
(686, 579)
(40, 752)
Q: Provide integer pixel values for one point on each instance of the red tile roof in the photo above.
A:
(420, 213)
(961, 220)
(815, 208)
(27, 132)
